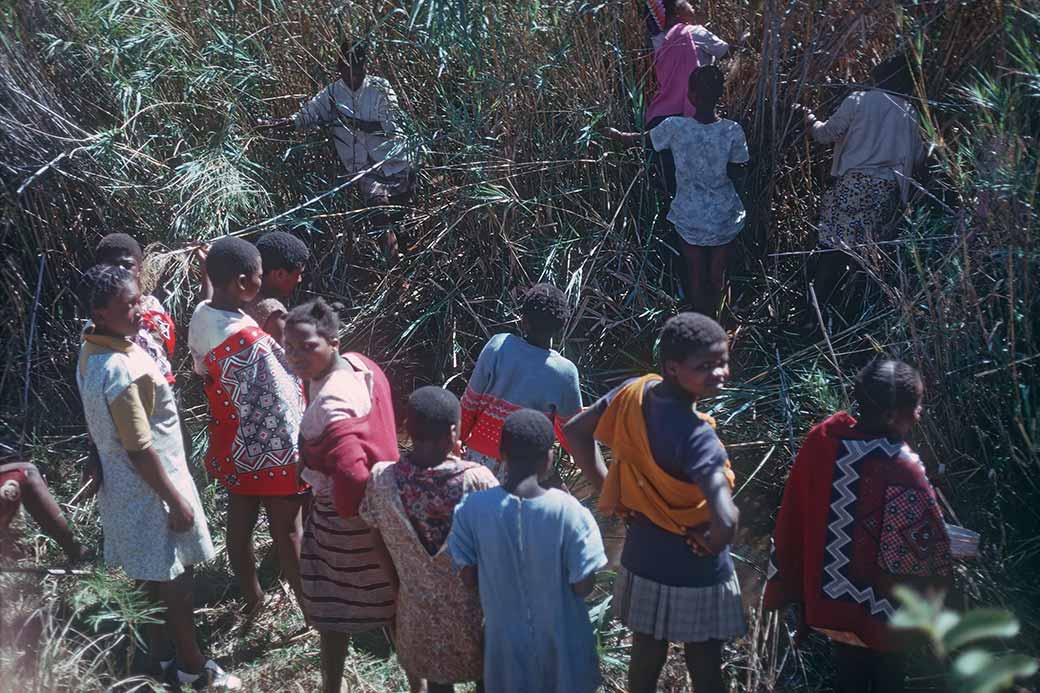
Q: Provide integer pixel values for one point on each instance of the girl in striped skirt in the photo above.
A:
(349, 584)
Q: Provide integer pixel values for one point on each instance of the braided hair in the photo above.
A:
(318, 313)
(886, 385)
(102, 283)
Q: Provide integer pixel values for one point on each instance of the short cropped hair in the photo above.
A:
(432, 411)
(318, 313)
(527, 435)
(115, 246)
(102, 283)
(689, 333)
(886, 385)
(281, 250)
(545, 308)
(229, 257)
(353, 52)
(707, 82)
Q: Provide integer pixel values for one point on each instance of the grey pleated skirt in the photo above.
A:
(679, 614)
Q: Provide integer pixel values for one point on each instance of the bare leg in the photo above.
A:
(696, 270)
(284, 518)
(718, 259)
(157, 635)
(176, 596)
(40, 504)
(242, 514)
(704, 662)
(333, 657)
(644, 667)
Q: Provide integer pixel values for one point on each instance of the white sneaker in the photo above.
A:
(211, 678)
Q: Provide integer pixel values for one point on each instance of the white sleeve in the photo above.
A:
(709, 42)
(318, 111)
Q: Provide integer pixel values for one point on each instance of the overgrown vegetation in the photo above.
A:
(135, 115)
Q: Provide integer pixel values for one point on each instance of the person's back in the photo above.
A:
(534, 553)
(537, 630)
(515, 373)
(876, 132)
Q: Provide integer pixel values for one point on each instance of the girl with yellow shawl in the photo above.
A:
(672, 483)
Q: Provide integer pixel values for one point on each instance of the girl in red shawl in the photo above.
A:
(349, 583)
(858, 517)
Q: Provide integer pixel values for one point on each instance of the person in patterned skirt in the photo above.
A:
(255, 408)
(410, 503)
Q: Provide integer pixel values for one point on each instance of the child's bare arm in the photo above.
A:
(205, 285)
(724, 516)
(148, 465)
(627, 138)
(580, 432)
(583, 588)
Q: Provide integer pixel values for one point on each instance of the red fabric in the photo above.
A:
(255, 409)
(858, 516)
(9, 505)
(483, 417)
(349, 448)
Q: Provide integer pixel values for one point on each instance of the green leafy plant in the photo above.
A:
(958, 636)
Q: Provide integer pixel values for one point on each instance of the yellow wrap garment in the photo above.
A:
(634, 481)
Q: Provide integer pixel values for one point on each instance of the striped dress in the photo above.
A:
(347, 586)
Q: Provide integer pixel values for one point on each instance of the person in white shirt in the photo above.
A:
(876, 135)
(363, 113)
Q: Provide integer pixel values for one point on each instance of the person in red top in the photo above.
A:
(858, 517)
(349, 583)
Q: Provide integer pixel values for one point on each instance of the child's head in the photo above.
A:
(543, 312)
(283, 257)
(694, 354)
(894, 74)
(433, 424)
(235, 269)
(120, 249)
(706, 86)
(312, 339)
(352, 63)
(111, 295)
(679, 11)
(889, 395)
(527, 441)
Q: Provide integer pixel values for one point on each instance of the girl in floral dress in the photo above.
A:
(439, 619)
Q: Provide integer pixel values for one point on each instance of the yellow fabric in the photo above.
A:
(130, 413)
(113, 343)
(634, 481)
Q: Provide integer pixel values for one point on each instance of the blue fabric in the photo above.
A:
(687, 448)
(528, 553)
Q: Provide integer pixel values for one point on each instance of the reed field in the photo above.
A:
(137, 116)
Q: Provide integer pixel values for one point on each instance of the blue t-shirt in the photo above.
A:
(687, 448)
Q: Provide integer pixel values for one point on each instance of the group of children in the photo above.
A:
(460, 545)
(457, 545)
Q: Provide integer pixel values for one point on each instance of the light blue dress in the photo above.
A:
(528, 553)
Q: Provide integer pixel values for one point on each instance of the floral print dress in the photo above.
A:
(706, 209)
(439, 619)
